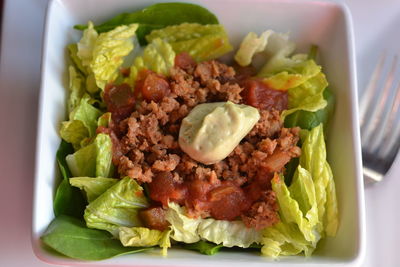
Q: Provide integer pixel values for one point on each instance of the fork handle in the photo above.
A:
(371, 176)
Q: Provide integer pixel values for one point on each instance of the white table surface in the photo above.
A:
(376, 26)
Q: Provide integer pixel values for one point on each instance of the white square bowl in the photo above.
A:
(323, 23)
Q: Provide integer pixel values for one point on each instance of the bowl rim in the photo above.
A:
(359, 255)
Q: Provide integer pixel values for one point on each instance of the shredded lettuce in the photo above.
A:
(82, 120)
(308, 208)
(158, 56)
(227, 233)
(202, 42)
(93, 187)
(251, 45)
(87, 44)
(308, 96)
(109, 52)
(93, 160)
(116, 207)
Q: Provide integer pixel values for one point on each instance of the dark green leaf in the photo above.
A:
(313, 52)
(308, 120)
(70, 237)
(68, 200)
(204, 247)
(158, 16)
(290, 169)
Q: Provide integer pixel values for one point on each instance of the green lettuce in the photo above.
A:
(279, 48)
(76, 89)
(158, 16)
(70, 237)
(87, 44)
(202, 42)
(184, 229)
(93, 187)
(93, 160)
(109, 51)
(227, 233)
(139, 236)
(289, 208)
(308, 208)
(104, 119)
(145, 237)
(293, 76)
(284, 239)
(204, 247)
(158, 56)
(313, 159)
(251, 45)
(116, 207)
(308, 96)
(82, 121)
(73, 54)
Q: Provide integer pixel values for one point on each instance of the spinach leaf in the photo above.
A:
(70, 237)
(204, 247)
(158, 16)
(68, 200)
(308, 120)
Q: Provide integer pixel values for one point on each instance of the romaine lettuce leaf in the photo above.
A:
(116, 207)
(104, 119)
(313, 159)
(93, 160)
(109, 51)
(227, 233)
(158, 16)
(284, 239)
(293, 76)
(93, 187)
(290, 211)
(279, 48)
(307, 96)
(158, 56)
(76, 89)
(87, 44)
(73, 54)
(184, 229)
(202, 42)
(251, 45)
(139, 236)
(145, 237)
(82, 122)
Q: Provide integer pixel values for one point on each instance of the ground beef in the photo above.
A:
(146, 149)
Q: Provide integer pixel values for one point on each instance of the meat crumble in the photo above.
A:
(145, 145)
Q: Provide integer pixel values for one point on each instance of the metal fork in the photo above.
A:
(380, 119)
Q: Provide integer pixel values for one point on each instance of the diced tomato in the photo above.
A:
(154, 218)
(151, 85)
(120, 100)
(227, 202)
(184, 61)
(259, 95)
(163, 188)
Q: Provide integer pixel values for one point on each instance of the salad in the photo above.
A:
(166, 145)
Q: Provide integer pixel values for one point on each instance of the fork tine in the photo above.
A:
(393, 130)
(379, 123)
(371, 89)
(375, 113)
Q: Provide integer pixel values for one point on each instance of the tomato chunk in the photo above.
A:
(120, 100)
(227, 202)
(259, 95)
(152, 86)
(163, 188)
(154, 218)
(184, 61)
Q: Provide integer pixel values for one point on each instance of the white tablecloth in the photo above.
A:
(376, 25)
